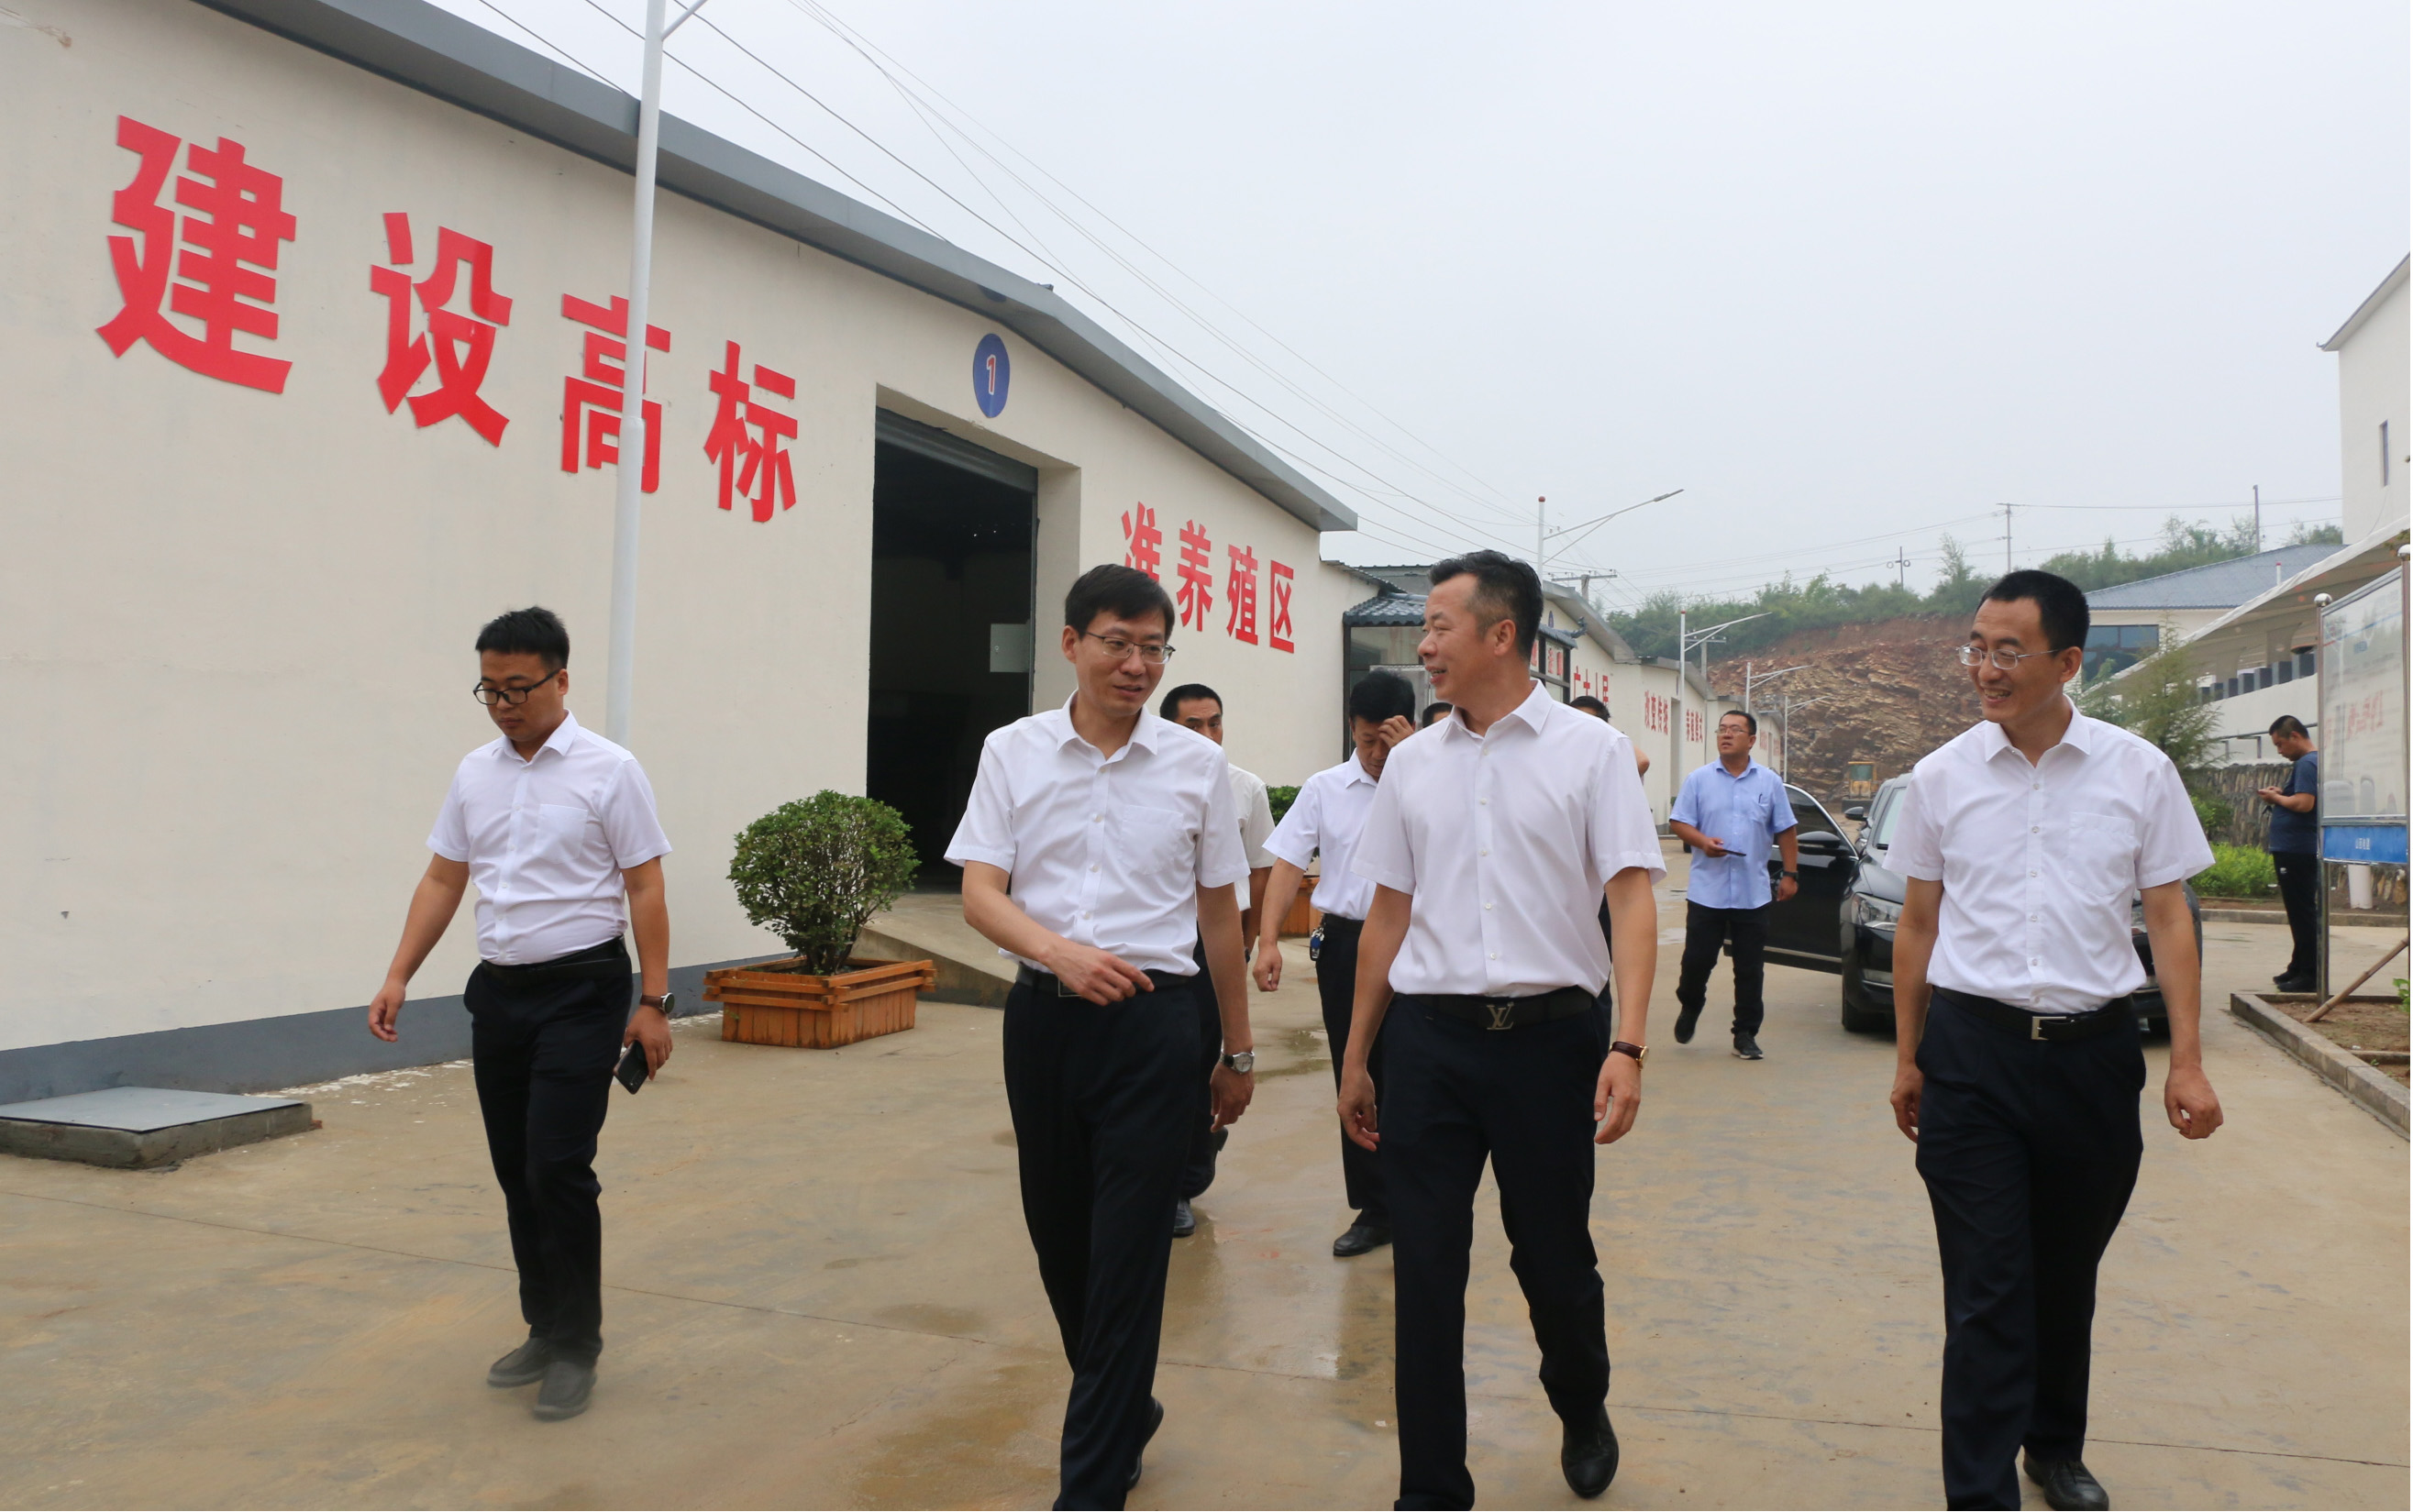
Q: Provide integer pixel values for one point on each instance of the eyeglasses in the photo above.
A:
(2004, 661)
(512, 698)
(1155, 652)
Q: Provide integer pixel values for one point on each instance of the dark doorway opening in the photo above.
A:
(952, 528)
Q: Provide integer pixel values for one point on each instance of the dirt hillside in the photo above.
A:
(1893, 693)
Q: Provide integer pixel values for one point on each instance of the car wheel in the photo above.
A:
(1860, 1017)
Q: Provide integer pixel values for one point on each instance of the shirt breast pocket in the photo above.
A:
(1151, 842)
(564, 831)
(2100, 855)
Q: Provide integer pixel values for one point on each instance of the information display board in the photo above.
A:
(2363, 724)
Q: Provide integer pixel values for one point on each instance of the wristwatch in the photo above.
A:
(1620, 1047)
(1244, 1062)
(664, 1003)
(1795, 875)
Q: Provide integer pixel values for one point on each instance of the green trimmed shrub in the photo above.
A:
(2238, 871)
(814, 871)
(1280, 799)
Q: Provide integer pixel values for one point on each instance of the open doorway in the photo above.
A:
(951, 530)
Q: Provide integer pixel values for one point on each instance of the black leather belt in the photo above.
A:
(1046, 984)
(1508, 1012)
(610, 959)
(1333, 923)
(2044, 1026)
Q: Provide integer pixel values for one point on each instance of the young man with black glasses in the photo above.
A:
(1492, 841)
(2022, 839)
(1099, 849)
(556, 825)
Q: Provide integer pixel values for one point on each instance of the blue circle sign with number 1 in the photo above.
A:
(992, 374)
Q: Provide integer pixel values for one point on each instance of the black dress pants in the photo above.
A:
(1705, 931)
(1206, 1140)
(1102, 1100)
(1335, 985)
(542, 1042)
(2299, 888)
(1454, 1094)
(2029, 1148)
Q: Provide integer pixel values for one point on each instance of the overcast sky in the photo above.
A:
(1848, 275)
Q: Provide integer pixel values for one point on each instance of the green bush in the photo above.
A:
(2238, 871)
(1280, 799)
(812, 871)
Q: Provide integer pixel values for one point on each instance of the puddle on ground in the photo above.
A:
(933, 1317)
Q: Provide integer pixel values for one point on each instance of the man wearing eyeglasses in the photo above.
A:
(2017, 1059)
(556, 825)
(1099, 849)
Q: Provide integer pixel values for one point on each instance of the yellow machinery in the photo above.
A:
(1860, 781)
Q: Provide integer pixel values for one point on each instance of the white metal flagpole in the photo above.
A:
(619, 693)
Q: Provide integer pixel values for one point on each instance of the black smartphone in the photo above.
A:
(631, 1069)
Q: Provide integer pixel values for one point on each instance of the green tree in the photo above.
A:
(814, 871)
(2157, 700)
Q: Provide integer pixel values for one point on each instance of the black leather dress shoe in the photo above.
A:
(2292, 984)
(2068, 1486)
(1588, 1454)
(524, 1366)
(1685, 1021)
(567, 1384)
(1746, 1047)
(1155, 1421)
(1362, 1236)
(1185, 1223)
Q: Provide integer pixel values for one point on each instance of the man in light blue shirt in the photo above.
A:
(1728, 812)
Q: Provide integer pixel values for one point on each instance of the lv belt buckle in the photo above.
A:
(1500, 1008)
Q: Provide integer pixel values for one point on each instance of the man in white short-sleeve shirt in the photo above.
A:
(1326, 819)
(1199, 709)
(2023, 840)
(556, 825)
(1492, 841)
(1099, 849)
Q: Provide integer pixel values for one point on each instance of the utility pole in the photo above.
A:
(2006, 536)
(1541, 536)
(1901, 566)
(2257, 517)
(620, 673)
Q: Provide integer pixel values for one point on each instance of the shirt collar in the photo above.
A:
(1142, 734)
(559, 740)
(1530, 714)
(1743, 776)
(1358, 772)
(2080, 734)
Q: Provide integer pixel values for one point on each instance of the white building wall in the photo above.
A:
(2375, 369)
(236, 625)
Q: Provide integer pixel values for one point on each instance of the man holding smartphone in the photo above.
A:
(557, 827)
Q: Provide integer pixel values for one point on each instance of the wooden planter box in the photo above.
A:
(1302, 916)
(760, 1005)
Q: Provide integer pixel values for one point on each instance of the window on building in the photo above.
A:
(2383, 454)
(2113, 647)
(2288, 670)
(2303, 663)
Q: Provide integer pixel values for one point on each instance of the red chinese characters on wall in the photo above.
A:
(1142, 542)
(228, 234)
(458, 344)
(1692, 726)
(1241, 594)
(1197, 594)
(600, 387)
(1654, 713)
(1279, 581)
(747, 435)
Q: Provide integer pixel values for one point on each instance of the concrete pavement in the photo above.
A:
(819, 1294)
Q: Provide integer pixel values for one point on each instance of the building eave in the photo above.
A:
(420, 46)
(2363, 311)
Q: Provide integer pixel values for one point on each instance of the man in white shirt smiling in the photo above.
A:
(2022, 839)
(1326, 817)
(1099, 849)
(557, 827)
(1492, 842)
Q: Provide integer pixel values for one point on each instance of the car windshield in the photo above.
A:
(1880, 823)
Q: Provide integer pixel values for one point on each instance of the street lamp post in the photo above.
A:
(620, 676)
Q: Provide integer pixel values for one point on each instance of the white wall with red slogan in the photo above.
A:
(307, 374)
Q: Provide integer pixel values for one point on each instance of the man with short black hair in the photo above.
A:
(1326, 819)
(1432, 715)
(2295, 846)
(1099, 849)
(1198, 708)
(1727, 896)
(1491, 841)
(557, 827)
(2021, 841)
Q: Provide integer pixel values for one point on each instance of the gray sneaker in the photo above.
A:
(1747, 1049)
(567, 1384)
(524, 1366)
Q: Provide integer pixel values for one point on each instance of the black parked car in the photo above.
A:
(1842, 917)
